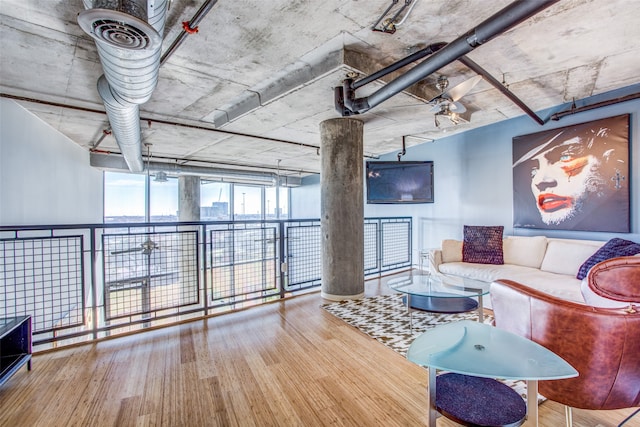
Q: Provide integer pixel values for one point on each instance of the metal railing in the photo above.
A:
(84, 282)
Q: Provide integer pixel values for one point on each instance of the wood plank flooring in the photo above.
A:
(288, 363)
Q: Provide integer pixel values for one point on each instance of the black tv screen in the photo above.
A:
(400, 182)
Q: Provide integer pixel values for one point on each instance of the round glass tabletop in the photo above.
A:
(439, 286)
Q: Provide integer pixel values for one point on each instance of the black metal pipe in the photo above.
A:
(500, 22)
(441, 58)
(348, 94)
(498, 85)
(200, 14)
(404, 148)
(561, 114)
(432, 48)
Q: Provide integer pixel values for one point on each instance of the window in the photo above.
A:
(124, 197)
(247, 202)
(276, 202)
(270, 203)
(125, 200)
(283, 202)
(214, 201)
(163, 200)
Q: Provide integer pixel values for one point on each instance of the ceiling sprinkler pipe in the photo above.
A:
(406, 15)
(192, 25)
(390, 24)
(393, 2)
(574, 110)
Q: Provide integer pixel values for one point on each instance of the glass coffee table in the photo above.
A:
(441, 294)
(474, 354)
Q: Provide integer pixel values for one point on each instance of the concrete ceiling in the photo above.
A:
(249, 90)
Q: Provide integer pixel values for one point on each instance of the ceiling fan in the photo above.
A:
(446, 104)
(146, 248)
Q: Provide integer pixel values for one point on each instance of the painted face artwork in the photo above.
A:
(562, 177)
(573, 178)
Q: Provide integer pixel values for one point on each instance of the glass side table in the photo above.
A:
(479, 350)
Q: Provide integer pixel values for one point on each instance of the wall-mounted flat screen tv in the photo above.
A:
(400, 182)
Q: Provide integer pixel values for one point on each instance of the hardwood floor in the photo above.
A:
(288, 363)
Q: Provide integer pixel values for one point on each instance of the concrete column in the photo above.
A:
(188, 210)
(189, 198)
(342, 208)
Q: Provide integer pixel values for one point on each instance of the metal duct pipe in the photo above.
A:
(124, 119)
(261, 177)
(128, 36)
(500, 22)
(114, 162)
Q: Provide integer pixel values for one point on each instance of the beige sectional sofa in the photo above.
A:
(547, 264)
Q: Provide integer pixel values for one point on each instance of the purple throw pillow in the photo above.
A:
(614, 248)
(483, 244)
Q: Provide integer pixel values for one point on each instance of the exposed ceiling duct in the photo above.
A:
(115, 163)
(128, 35)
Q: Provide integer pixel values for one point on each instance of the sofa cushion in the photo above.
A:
(524, 250)
(559, 285)
(469, 270)
(451, 250)
(615, 247)
(483, 244)
(566, 256)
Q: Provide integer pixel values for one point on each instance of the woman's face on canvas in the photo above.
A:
(560, 179)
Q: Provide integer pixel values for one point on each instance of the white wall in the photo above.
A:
(473, 179)
(45, 178)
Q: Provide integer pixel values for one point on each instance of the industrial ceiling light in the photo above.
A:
(160, 177)
(445, 111)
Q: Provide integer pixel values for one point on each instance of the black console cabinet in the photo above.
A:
(15, 345)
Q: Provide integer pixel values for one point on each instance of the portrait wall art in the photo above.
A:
(573, 178)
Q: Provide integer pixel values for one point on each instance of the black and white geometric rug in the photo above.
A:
(385, 318)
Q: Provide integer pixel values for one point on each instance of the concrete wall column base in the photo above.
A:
(341, 297)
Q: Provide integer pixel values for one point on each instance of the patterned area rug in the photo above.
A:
(386, 319)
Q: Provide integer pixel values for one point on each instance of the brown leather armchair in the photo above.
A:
(602, 344)
(613, 283)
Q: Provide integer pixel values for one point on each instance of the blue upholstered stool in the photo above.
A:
(474, 401)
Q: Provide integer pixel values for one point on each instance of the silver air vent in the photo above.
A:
(118, 29)
(128, 36)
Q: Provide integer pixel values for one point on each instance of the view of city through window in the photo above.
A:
(125, 200)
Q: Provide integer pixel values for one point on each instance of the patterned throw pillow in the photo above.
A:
(615, 247)
(483, 244)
